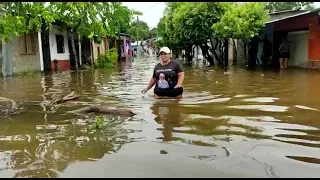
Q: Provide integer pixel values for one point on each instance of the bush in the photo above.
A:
(107, 60)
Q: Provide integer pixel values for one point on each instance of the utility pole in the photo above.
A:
(137, 36)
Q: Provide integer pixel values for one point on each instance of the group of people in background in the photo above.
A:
(264, 52)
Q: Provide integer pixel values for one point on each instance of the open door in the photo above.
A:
(277, 39)
(46, 51)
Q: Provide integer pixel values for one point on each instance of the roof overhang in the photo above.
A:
(296, 15)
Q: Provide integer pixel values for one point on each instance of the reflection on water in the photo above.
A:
(241, 121)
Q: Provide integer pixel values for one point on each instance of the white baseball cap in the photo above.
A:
(165, 49)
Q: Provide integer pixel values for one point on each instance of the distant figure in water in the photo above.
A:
(172, 72)
(284, 50)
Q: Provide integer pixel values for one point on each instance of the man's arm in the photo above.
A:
(151, 83)
(180, 73)
(180, 79)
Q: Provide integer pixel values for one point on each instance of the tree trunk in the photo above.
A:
(177, 54)
(213, 50)
(104, 110)
(189, 54)
(205, 52)
(73, 47)
(226, 48)
(235, 52)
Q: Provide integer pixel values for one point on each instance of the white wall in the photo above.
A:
(299, 50)
(53, 45)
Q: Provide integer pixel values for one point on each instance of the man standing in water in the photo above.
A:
(174, 75)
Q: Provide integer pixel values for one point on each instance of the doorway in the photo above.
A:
(46, 51)
(277, 39)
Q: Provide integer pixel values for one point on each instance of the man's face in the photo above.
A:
(164, 57)
(162, 76)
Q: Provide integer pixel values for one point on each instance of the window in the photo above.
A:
(60, 43)
(27, 44)
(98, 51)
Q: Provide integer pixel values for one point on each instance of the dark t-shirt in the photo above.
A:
(170, 71)
(285, 47)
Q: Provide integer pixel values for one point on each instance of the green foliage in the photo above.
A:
(285, 6)
(186, 24)
(87, 19)
(27, 17)
(107, 60)
(192, 21)
(153, 33)
(140, 29)
(99, 122)
(160, 43)
(241, 21)
(161, 27)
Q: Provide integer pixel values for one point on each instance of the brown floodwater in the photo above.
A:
(236, 124)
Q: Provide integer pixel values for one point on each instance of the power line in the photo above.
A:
(151, 7)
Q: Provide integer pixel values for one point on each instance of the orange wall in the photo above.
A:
(314, 39)
(63, 65)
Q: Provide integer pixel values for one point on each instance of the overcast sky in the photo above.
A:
(153, 11)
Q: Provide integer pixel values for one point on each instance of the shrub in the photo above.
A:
(107, 60)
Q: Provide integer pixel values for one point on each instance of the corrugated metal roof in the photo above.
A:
(295, 15)
(280, 12)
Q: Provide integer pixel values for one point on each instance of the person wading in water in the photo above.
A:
(284, 53)
(173, 73)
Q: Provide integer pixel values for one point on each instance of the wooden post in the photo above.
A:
(40, 51)
(92, 54)
(80, 53)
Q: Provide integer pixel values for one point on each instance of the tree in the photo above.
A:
(168, 28)
(242, 21)
(28, 16)
(118, 19)
(153, 33)
(285, 6)
(139, 30)
(192, 25)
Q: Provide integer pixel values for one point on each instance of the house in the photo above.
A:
(55, 50)
(121, 42)
(99, 48)
(126, 49)
(36, 51)
(302, 28)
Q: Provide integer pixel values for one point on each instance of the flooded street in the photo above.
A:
(239, 124)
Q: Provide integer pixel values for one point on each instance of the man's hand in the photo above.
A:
(177, 86)
(144, 91)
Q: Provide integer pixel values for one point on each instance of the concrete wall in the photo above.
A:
(95, 47)
(299, 50)
(25, 62)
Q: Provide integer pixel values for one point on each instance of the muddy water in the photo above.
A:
(236, 124)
